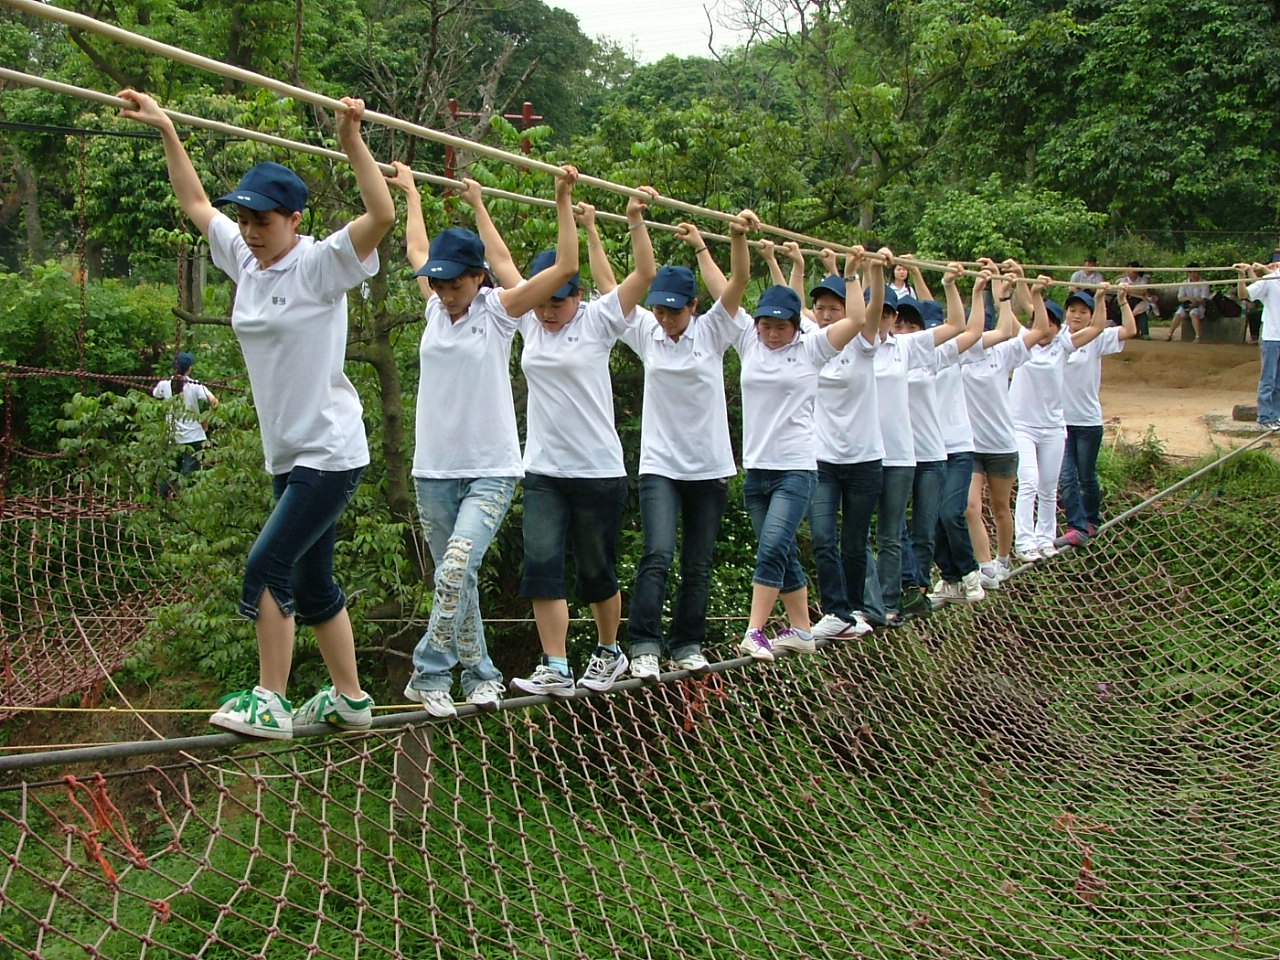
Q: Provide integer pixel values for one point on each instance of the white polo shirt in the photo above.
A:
(291, 321)
(1267, 292)
(953, 411)
(186, 424)
(847, 416)
(778, 392)
(1082, 379)
(569, 429)
(896, 357)
(684, 431)
(1035, 393)
(922, 393)
(465, 425)
(986, 391)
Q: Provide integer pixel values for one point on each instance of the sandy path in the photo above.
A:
(1173, 386)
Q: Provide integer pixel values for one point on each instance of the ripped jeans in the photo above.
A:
(459, 520)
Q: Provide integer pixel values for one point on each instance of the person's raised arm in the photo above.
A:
(518, 301)
(854, 263)
(182, 174)
(1244, 270)
(501, 263)
(977, 310)
(1020, 291)
(368, 229)
(713, 277)
(954, 324)
(850, 325)
(1097, 324)
(792, 250)
(768, 253)
(417, 243)
(1128, 323)
(739, 261)
(917, 281)
(634, 285)
(1000, 289)
(602, 277)
(875, 265)
(1039, 328)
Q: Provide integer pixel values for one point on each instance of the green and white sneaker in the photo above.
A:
(255, 713)
(339, 710)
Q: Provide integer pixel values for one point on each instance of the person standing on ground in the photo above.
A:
(1266, 290)
(290, 316)
(188, 430)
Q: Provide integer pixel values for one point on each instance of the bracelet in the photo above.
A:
(701, 249)
(1006, 299)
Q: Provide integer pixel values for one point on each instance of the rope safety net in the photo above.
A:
(1081, 766)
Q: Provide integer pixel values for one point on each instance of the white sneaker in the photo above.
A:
(646, 668)
(860, 625)
(838, 628)
(603, 670)
(1048, 550)
(1027, 556)
(793, 640)
(945, 592)
(487, 695)
(695, 663)
(331, 707)
(1004, 568)
(437, 702)
(755, 644)
(990, 580)
(257, 712)
(971, 588)
(545, 682)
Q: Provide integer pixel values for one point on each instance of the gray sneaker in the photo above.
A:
(487, 695)
(545, 682)
(646, 668)
(438, 703)
(603, 670)
(796, 641)
(695, 663)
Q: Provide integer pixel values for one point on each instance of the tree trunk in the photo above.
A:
(28, 197)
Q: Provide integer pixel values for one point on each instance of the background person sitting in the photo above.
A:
(1192, 297)
(1087, 274)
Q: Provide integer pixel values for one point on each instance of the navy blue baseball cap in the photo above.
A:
(832, 284)
(1055, 311)
(779, 303)
(890, 298)
(673, 287)
(182, 362)
(931, 313)
(1084, 296)
(453, 252)
(545, 261)
(268, 186)
(910, 305)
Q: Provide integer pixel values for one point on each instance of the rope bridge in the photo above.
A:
(1082, 766)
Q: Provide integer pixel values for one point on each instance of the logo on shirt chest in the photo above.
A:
(278, 301)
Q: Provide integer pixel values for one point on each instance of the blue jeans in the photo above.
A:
(852, 490)
(953, 551)
(694, 507)
(918, 539)
(1269, 383)
(777, 501)
(293, 555)
(882, 588)
(581, 514)
(1078, 490)
(459, 519)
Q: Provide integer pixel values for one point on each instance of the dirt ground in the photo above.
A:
(1174, 387)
